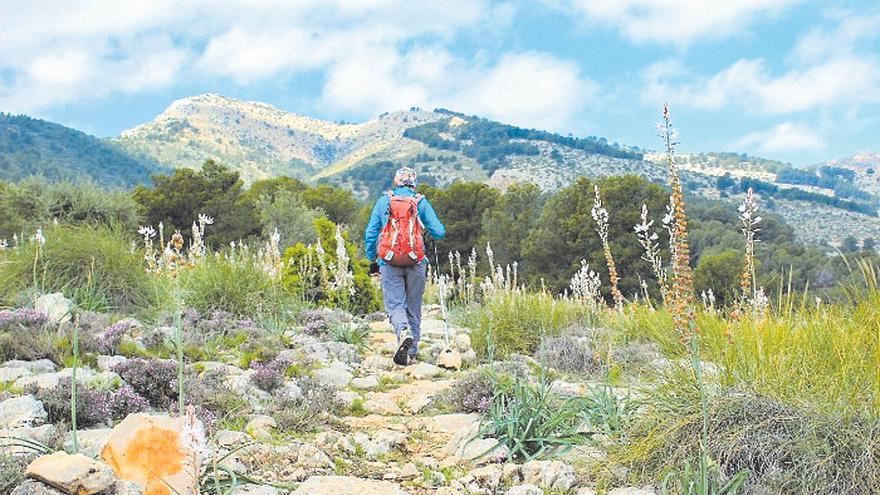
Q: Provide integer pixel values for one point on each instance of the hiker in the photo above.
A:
(396, 247)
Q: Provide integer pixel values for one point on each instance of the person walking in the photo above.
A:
(395, 244)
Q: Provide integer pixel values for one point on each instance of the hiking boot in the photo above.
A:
(401, 357)
(413, 359)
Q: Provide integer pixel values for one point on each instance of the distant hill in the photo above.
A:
(35, 147)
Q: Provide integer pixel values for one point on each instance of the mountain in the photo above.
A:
(35, 147)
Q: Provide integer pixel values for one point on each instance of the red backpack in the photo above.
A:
(401, 242)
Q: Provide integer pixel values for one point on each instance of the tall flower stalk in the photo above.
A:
(681, 289)
(600, 216)
(749, 219)
(73, 433)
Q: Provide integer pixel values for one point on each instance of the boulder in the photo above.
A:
(55, 306)
(154, 452)
(44, 434)
(22, 411)
(74, 474)
(552, 475)
(449, 359)
(346, 485)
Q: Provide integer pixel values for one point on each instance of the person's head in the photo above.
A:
(405, 177)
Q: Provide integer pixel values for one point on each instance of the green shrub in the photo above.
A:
(85, 262)
(238, 286)
(532, 422)
(515, 322)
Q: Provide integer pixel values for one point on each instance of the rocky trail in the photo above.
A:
(394, 438)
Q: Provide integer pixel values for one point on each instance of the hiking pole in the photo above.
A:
(442, 287)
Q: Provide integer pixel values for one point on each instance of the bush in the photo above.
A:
(515, 322)
(312, 410)
(23, 335)
(786, 450)
(238, 286)
(351, 333)
(154, 379)
(568, 354)
(125, 401)
(474, 393)
(12, 468)
(93, 265)
(92, 406)
(209, 391)
(271, 375)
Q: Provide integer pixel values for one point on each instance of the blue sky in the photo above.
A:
(795, 80)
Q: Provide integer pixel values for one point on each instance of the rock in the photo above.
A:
(487, 476)
(377, 363)
(22, 411)
(346, 398)
(324, 352)
(382, 404)
(90, 442)
(35, 367)
(365, 382)
(449, 359)
(33, 487)
(586, 491)
(312, 457)
(251, 489)
(409, 470)
(44, 434)
(462, 342)
(106, 363)
(525, 490)
(423, 371)
(74, 474)
(57, 307)
(231, 438)
(552, 475)
(40, 383)
(469, 357)
(346, 485)
(381, 326)
(289, 391)
(511, 473)
(382, 442)
(12, 374)
(333, 376)
(150, 451)
(260, 427)
(632, 491)
(125, 487)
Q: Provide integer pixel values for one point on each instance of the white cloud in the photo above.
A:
(784, 137)
(679, 22)
(749, 86)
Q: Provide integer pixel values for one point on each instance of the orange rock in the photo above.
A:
(149, 450)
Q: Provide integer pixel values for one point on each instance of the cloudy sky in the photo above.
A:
(796, 80)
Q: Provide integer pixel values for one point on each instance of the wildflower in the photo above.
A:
(750, 220)
(600, 215)
(585, 284)
(38, 237)
(193, 436)
(648, 240)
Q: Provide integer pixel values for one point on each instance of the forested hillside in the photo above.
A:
(35, 147)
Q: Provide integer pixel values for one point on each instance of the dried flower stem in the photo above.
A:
(600, 215)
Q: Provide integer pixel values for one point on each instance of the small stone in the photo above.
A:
(487, 476)
(586, 491)
(106, 363)
(260, 427)
(365, 382)
(252, 489)
(409, 470)
(310, 456)
(553, 475)
(346, 397)
(333, 376)
(346, 485)
(511, 472)
(423, 371)
(231, 438)
(462, 342)
(382, 404)
(12, 374)
(57, 307)
(89, 442)
(377, 363)
(449, 359)
(22, 411)
(525, 490)
(632, 491)
(469, 357)
(74, 474)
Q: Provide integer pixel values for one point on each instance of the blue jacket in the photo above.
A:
(379, 217)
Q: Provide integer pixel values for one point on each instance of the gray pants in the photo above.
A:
(402, 290)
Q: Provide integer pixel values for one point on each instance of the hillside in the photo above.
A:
(35, 147)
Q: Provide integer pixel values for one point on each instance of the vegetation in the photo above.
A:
(35, 147)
